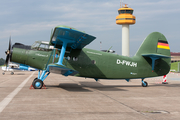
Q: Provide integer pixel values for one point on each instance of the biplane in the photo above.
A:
(66, 54)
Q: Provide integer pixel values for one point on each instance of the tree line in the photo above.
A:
(2, 61)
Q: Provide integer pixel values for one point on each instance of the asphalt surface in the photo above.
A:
(74, 98)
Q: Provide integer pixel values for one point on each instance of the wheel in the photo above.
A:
(12, 73)
(37, 84)
(3, 73)
(35, 79)
(145, 84)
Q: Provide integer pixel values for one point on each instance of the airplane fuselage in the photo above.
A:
(93, 63)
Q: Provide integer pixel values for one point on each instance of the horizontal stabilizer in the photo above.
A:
(60, 69)
(154, 57)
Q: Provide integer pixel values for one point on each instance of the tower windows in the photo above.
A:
(125, 11)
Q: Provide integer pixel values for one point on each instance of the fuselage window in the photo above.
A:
(75, 59)
(93, 62)
(68, 58)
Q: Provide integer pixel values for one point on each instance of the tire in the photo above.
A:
(35, 79)
(145, 85)
(37, 84)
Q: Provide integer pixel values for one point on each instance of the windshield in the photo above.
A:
(43, 46)
(35, 45)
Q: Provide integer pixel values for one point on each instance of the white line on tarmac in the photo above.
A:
(8, 98)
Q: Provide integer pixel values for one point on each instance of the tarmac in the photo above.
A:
(75, 98)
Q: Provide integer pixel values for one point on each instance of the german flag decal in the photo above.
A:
(163, 44)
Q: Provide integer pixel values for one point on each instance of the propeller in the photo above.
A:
(8, 53)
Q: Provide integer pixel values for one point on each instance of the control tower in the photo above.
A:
(125, 18)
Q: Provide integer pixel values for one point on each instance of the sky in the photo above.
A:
(27, 21)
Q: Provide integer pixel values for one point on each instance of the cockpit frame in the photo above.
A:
(42, 46)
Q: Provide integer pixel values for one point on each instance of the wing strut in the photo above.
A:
(63, 50)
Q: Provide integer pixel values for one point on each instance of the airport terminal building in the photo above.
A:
(175, 57)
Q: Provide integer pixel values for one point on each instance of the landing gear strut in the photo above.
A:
(144, 83)
(38, 82)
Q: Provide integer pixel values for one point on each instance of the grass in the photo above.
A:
(174, 66)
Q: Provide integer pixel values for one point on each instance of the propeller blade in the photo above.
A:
(9, 44)
(7, 61)
(51, 33)
(8, 53)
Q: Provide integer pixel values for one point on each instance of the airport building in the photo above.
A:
(175, 57)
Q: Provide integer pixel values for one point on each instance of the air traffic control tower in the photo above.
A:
(125, 18)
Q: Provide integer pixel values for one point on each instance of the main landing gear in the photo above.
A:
(144, 83)
(38, 82)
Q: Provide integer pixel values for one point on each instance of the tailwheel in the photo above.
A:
(144, 84)
(37, 84)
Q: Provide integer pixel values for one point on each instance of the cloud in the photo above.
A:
(57, 13)
(35, 19)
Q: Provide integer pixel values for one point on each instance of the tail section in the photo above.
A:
(156, 48)
(155, 43)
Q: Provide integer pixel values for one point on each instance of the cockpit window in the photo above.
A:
(45, 46)
(35, 45)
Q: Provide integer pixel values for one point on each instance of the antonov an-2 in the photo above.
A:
(65, 54)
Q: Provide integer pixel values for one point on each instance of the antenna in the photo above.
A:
(100, 45)
(120, 3)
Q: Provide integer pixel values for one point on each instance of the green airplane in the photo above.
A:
(65, 54)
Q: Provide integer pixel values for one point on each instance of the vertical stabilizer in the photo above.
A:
(155, 43)
(156, 48)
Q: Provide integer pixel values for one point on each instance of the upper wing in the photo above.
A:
(76, 39)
